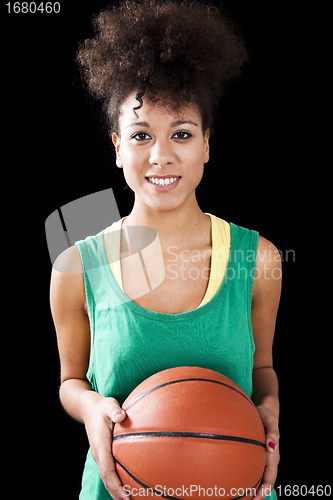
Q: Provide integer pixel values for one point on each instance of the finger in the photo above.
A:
(269, 477)
(272, 435)
(109, 476)
(272, 442)
(264, 490)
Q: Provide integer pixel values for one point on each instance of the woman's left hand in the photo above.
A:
(272, 452)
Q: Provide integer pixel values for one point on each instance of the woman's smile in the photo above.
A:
(163, 184)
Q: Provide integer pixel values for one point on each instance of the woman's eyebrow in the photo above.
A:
(177, 123)
(138, 124)
(182, 122)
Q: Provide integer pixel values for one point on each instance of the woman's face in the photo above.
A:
(162, 152)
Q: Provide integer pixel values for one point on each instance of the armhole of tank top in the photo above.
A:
(114, 256)
(89, 298)
(251, 272)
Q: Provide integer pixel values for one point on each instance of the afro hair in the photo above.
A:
(184, 49)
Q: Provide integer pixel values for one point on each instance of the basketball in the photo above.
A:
(190, 433)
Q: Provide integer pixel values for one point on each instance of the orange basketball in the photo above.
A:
(190, 433)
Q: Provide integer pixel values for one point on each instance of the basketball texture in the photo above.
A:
(189, 433)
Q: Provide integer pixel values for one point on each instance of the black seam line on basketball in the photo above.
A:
(188, 380)
(159, 493)
(201, 435)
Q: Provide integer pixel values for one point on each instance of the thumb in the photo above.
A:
(118, 416)
(116, 412)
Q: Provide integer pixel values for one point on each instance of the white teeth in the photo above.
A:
(163, 182)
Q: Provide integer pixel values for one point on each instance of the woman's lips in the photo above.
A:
(165, 183)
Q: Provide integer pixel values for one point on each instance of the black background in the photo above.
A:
(259, 176)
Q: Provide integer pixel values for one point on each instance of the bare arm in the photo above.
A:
(68, 306)
(265, 302)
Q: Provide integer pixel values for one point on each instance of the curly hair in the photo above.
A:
(183, 49)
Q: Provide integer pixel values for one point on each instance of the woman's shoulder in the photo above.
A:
(69, 261)
(267, 253)
(67, 290)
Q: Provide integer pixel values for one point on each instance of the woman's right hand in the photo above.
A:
(100, 415)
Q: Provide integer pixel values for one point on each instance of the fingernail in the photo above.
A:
(271, 445)
(120, 412)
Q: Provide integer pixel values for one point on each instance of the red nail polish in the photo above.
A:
(271, 445)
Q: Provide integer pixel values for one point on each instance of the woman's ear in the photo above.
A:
(116, 142)
(206, 145)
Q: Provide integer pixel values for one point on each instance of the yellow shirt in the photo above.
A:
(219, 261)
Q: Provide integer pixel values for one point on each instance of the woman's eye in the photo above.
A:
(182, 135)
(140, 136)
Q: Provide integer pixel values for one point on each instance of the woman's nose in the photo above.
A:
(161, 154)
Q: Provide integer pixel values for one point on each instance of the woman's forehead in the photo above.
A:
(160, 107)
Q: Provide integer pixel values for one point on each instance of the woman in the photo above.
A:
(206, 293)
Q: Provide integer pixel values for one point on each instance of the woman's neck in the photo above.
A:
(184, 227)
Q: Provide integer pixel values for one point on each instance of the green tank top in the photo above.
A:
(130, 343)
